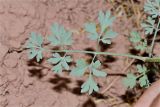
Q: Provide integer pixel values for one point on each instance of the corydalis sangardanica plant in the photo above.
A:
(63, 38)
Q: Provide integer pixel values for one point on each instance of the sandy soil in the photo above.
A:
(24, 83)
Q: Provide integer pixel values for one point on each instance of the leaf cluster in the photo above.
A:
(149, 25)
(131, 80)
(60, 36)
(93, 68)
(152, 8)
(35, 45)
(61, 63)
(106, 33)
(138, 42)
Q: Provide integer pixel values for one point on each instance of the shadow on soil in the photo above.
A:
(104, 47)
(60, 83)
(35, 68)
(89, 103)
(36, 72)
(77, 90)
(129, 96)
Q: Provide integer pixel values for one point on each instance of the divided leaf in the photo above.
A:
(60, 36)
(105, 34)
(56, 58)
(105, 20)
(135, 37)
(35, 45)
(130, 80)
(81, 67)
(149, 26)
(138, 42)
(144, 82)
(90, 85)
(141, 69)
(152, 8)
(109, 34)
(61, 63)
(142, 46)
(95, 70)
(57, 68)
(99, 73)
(91, 28)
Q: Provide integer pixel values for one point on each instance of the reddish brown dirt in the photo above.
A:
(24, 83)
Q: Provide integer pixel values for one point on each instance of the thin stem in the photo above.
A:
(144, 59)
(63, 48)
(90, 71)
(93, 59)
(102, 53)
(97, 48)
(98, 42)
(153, 41)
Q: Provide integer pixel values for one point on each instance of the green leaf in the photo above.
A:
(105, 20)
(68, 59)
(80, 68)
(96, 64)
(34, 44)
(57, 68)
(96, 72)
(56, 58)
(90, 85)
(64, 64)
(91, 28)
(144, 82)
(61, 63)
(60, 36)
(109, 34)
(152, 8)
(149, 26)
(32, 53)
(130, 80)
(54, 41)
(142, 45)
(93, 37)
(135, 37)
(36, 53)
(138, 42)
(141, 69)
(39, 55)
(35, 40)
(99, 73)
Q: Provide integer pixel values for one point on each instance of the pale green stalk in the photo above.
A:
(145, 59)
(154, 37)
